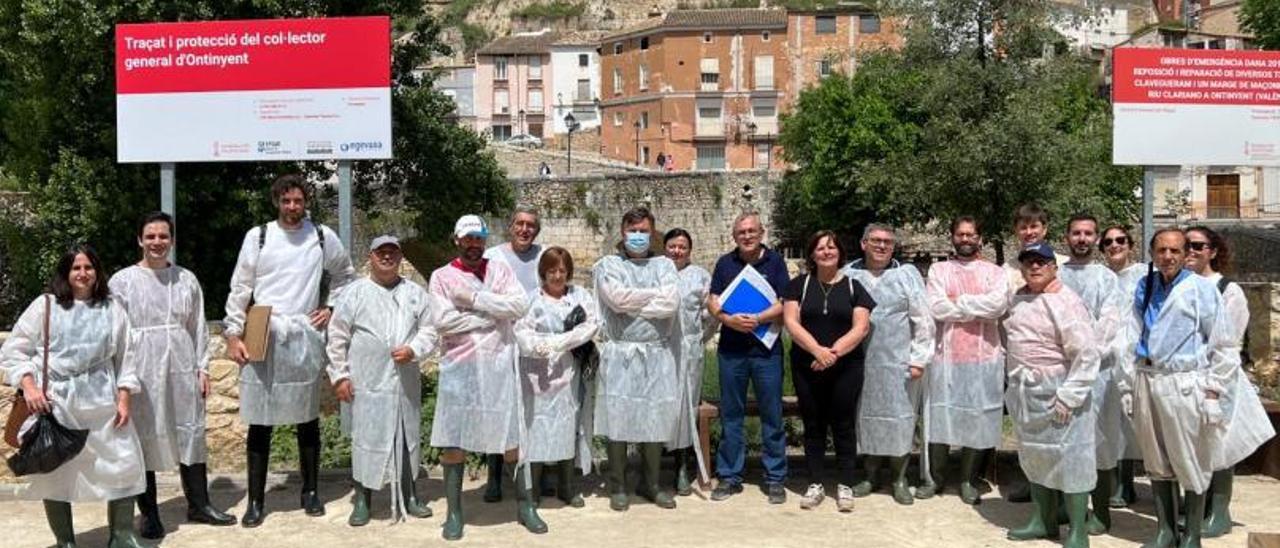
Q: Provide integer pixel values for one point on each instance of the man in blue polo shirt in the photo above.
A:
(743, 358)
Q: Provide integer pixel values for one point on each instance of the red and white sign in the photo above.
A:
(272, 89)
(1196, 107)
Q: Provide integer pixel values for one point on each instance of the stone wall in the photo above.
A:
(582, 214)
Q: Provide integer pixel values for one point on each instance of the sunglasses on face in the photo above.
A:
(1119, 240)
(1197, 246)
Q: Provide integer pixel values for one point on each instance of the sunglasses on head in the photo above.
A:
(1122, 240)
(1197, 246)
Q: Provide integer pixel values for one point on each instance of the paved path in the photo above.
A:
(745, 520)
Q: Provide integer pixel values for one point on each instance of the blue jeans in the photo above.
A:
(765, 373)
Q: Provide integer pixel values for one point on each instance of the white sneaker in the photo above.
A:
(844, 498)
(812, 497)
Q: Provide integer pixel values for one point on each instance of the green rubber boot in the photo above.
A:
(968, 491)
(1043, 521)
(1124, 494)
(684, 483)
(452, 529)
(493, 488)
(360, 507)
(567, 488)
(1100, 518)
(412, 504)
(937, 472)
(901, 490)
(651, 487)
(1195, 520)
(1078, 509)
(1166, 537)
(59, 515)
(868, 484)
(535, 470)
(617, 453)
(1219, 501)
(526, 507)
(120, 521)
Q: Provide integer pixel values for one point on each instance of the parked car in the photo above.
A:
(525, 140)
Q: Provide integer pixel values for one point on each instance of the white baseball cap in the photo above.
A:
(385, 239)
(470, 225)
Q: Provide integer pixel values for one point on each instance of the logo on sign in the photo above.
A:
(319, 147)
(360, 146)
(272, 147)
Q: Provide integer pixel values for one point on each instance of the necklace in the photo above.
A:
(826, 291)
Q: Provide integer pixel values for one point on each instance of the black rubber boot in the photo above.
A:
(150, 527)
(493, 489)
(1125, 494)
(901, 490)
(452, 528)
(1166, 536)
(1195, 520)
(651, 488)
(309, 465)
(195, 485)
(1219, 503)
(937, 472)
(567, 489)
(120, 521)
(1100, 519)
(59, 515)
(1043, 522)
(968, 463)
(360, 506)
(535, 493)
(526, 508)
(684, 482)
(868, 484)
(254, 510)
(617, 453)
(412, 504)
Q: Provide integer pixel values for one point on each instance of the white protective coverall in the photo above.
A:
(638, 388)
(88, 363)
(1123, 375)
(1246, 420)
(1191, 351)
(285, 275)
(1099, 289)
(478, 405)
(171, 340)
(523, 265)
(1053, 356)
(385, 413)
(550, 384)
(693, 330)
(964, 399)
(901, 335)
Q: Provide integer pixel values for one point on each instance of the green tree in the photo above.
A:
(1262, 18)
(959, 121)
(58, 138)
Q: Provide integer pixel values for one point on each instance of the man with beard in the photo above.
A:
(964, 396)
(283, 265)
(477, 302)
(1099, 288)
(521, 254)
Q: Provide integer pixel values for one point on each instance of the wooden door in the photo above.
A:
(1224, 196)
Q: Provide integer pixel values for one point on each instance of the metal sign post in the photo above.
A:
(167, 202)
(1148, 199)
(344, 203)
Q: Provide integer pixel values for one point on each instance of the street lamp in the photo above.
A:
(637, 125)
(572, 124)
(751, 134)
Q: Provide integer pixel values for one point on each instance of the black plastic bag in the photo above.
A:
(46, 446)
(585, 355)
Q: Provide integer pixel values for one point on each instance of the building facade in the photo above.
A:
(575, 85)
(703, 89)
(512, 78)
(458, 83)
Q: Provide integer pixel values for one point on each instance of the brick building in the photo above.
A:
(704, 88)
(512, 77)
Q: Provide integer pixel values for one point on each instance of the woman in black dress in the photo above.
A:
(828, 315)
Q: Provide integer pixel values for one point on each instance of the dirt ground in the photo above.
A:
(743, 520)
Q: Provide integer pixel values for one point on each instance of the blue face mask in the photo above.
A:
(637, 242)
